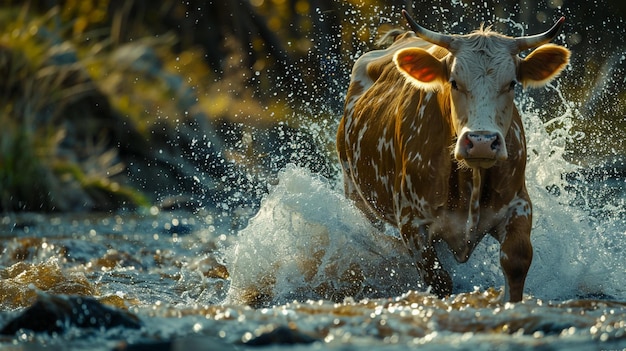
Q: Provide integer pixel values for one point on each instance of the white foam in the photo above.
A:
(308, 242)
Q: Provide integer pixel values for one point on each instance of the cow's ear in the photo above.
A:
(422, 68)
(542, 65)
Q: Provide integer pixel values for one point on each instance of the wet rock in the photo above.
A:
(281, 336)
(596, 296)
(196, 343)
(54, 314)
(179, 202)
(114, 258)
(21, 281)
(145, 346)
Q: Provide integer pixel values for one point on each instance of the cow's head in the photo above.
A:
(481, 71)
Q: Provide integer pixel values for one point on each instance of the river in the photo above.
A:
(310, 264)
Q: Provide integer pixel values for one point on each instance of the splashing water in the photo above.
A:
(307, 235)
(307, 241)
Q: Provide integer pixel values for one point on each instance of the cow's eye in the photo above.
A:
(454, 86)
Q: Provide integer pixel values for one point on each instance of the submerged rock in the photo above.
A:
(195, 343)
(54, 314)
(281, 336)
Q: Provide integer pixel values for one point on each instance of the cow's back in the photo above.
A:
(393, 138)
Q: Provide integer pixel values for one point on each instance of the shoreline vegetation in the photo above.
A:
(124, 105)
(94, 123)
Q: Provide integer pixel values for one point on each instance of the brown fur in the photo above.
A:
(428, 197)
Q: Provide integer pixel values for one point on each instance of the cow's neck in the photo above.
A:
(461, 227)
(473, 217)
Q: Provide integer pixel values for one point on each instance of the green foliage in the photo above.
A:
(21, 170)
(23, 146)
(36, 172)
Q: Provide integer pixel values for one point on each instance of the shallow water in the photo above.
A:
(310, 262)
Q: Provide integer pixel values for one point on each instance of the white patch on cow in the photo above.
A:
(471, 229)
(517, 131)
(419, 222)
(426, 140)
(385, 146)
(506, 297)
(415, 157)
(417, 204)
(519, 207)
(410, 189)
(423, 207)
(351, 102)
(359, 70)
(375, 167)
(402, 221)
(359, 140)
(381, 144)
(422, 109)
(482, 69)
(359, 73)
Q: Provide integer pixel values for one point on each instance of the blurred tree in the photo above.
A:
(302, 50)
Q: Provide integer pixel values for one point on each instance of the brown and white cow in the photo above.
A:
(431, 142)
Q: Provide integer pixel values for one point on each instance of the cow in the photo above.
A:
(432, 143)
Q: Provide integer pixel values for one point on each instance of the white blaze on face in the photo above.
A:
(482, 85)
(481, 70)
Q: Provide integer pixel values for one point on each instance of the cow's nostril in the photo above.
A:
(468, 142)
(496, 144)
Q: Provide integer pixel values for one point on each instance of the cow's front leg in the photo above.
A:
(516, 251)
(426, 260)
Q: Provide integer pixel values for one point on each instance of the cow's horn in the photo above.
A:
(533, 41)
(428, 35)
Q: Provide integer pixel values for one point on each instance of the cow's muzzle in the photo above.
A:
(481, 148)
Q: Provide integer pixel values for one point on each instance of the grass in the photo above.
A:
(41, 95)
